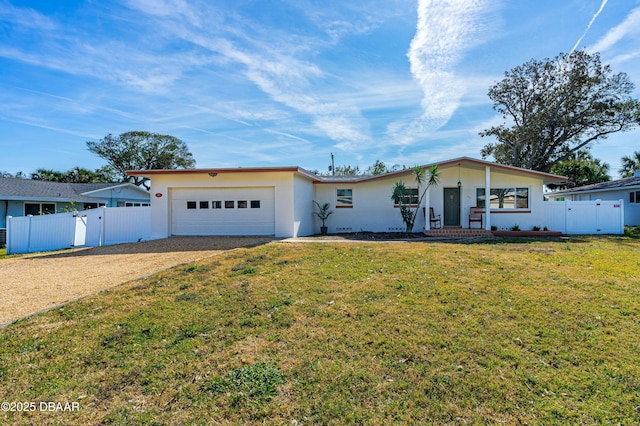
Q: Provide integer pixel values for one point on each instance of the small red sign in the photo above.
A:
(158, 194)
(616, 206)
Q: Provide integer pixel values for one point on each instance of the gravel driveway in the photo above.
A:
(38, 282)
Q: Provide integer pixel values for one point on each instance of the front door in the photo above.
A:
(451, 206)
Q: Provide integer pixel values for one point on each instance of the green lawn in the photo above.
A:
(501, 332)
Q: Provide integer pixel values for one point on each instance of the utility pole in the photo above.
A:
(332, 167)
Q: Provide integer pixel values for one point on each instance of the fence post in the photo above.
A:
(101, 219)
(8, 236)
(29, 234)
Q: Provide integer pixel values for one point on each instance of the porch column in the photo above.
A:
(487, 198)
(427, 223)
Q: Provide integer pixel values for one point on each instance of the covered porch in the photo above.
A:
(457, 206)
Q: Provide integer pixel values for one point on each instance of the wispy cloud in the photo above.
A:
(629, 27)
(444, 33)
(586, 30)
(25, 17)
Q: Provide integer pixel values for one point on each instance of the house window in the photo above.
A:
(410, 197)
(229, 204)
(344, 198)
(191, 205)
(504, 198)
(255, 204)
(134, 204)
(634, 197)
(216, 204)
(39, 208)
(89, 206)
(204, 204)
(242, 204)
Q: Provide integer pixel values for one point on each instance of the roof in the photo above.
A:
(469, 162)
(612, 185)
(465, 161)
(41, 190)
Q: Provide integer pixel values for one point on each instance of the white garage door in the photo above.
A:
(228, 211)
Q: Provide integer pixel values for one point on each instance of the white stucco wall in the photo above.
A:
(303, 207)
(372, 210)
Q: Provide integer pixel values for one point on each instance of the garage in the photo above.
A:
(223, 211)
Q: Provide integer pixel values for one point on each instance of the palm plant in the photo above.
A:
(630, 164)
(323, 214)
(402, 198)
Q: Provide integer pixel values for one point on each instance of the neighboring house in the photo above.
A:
(626, 189)
(22, 197)
(279, 200)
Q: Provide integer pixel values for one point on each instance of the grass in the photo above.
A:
(507, 331)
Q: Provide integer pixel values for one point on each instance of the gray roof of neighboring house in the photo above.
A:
(29, 189)
(611, 185)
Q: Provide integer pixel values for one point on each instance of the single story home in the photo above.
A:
(626, 189)
(22, 197)
(278, 201)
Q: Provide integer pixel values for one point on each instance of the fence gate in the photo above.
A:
(585, 217)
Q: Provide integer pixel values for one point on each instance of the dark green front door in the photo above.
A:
(451, 206)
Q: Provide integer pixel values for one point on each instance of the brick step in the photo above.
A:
(457, 233)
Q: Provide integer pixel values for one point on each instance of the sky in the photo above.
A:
(248, 83)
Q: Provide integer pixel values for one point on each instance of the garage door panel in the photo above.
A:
(228, 211)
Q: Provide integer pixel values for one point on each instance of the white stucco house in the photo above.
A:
(278, 201)
(626, 189)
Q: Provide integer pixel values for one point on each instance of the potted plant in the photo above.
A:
(323, 213)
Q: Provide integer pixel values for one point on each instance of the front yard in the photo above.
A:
(508, 332)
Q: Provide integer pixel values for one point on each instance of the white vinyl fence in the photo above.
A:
(585, 217)
(90, 228)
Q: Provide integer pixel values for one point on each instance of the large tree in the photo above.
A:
(142, 151)
(630, 163)
(555, 107)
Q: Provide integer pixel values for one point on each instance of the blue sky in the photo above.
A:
(280, 83)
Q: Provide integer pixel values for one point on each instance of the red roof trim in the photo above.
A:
(224, 170)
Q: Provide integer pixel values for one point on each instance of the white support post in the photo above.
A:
(427, 222)
(487, 198)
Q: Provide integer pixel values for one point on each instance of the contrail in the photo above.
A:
(604, 2)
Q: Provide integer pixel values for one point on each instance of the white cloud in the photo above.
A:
(445, 32)
(629, 27)
(25, 17)
(593, 19)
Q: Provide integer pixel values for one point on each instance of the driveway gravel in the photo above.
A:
(38, 282)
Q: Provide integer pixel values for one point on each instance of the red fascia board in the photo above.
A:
(148, 173)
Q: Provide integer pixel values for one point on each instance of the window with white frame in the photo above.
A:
(411, 196)
(504, 198)
(344, 198)
(39, 208)
(634, 197)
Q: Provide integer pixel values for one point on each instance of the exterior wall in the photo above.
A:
(631, 210)
(161, 186)
(303, 207)
(15, 208)
(3, 213)
(372, 210)
(472, 179)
